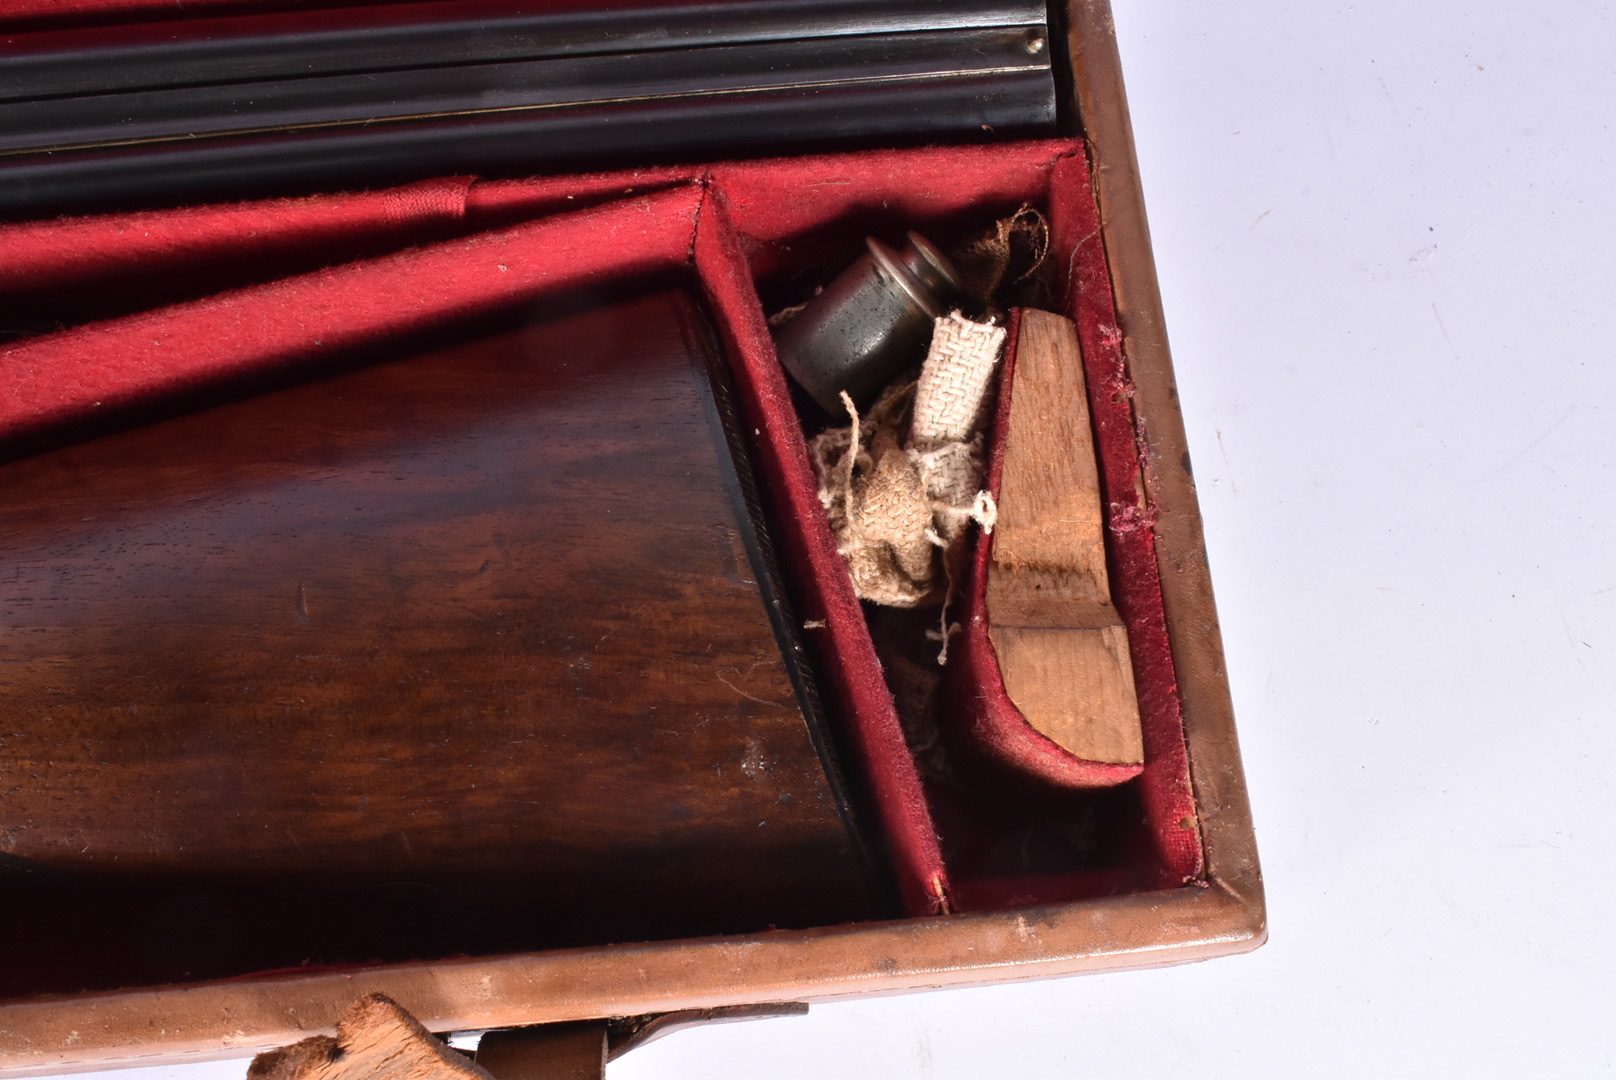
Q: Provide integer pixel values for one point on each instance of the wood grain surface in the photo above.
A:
(459, 653)
(1062, 649)
(376, 1040)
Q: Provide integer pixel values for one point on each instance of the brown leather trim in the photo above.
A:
(1192, 622)
(236, 1018)
(634, 1032)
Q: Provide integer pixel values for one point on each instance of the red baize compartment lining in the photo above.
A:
(197, 15)
(732, 224)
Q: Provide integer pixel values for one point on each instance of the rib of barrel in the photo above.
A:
(464, 653)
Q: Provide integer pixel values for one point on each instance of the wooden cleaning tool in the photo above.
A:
(1061, 645)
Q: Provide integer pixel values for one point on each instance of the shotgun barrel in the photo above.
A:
(167, 121)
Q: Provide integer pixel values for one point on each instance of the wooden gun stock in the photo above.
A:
(469, 652)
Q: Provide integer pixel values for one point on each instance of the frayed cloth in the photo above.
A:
(877, 503)
(954, 381)
(996, 266)
(902, 484)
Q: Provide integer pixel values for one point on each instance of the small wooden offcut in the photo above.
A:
(1062, 647)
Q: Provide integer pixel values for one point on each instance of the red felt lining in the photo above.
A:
(23, 11)
(65, 378)
(74, 270)
(736, 223)
(82, 252)
(208, 17)
(86, 267)
(1078, 247)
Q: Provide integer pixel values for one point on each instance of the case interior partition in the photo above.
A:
(318, 281)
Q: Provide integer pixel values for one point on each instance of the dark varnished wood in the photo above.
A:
(459, 653)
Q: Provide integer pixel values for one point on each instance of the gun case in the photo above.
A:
(417, 582)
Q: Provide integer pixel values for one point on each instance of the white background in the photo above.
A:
(1387, 242)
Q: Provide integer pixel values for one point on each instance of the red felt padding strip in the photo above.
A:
(498, 202)
(95, 251)
(72, 12)
(790, 210)
(67, 377)
(840, 640)
(79, 268)
(217, 17)
(30, 9)
(1079, 249)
